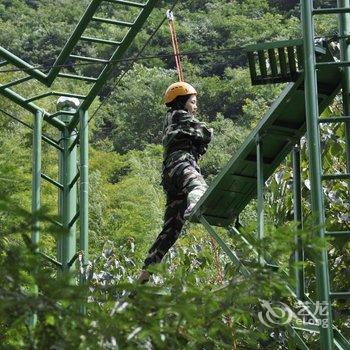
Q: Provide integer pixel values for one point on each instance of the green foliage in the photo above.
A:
(182, 308)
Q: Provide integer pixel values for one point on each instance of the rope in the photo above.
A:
(175, 44)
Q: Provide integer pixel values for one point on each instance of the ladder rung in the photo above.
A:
(100, 41)
(339, 295)
(127, 3)
(112, 21)
(88, 59)
(75, 180)
(334, 120)
(336, 177)
(244, 178)
(338, 233)
(60, 113)
(52, 181)
(272, 266)
(77, 77)
(54, 93)
(333, 64)
(15, 82)
(283, 131)
(47, 257)
(308, 327)
(327, 11)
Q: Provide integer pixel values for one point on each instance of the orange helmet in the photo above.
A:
(178, 89)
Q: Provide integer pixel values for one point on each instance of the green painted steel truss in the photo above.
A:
(103, 69)
(295, 112)
(71, 116)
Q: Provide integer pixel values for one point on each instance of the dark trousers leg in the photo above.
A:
(173, 223)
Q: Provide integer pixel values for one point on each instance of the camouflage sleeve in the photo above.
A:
(181, 125)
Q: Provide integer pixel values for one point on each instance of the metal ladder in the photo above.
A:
(330, 338)
(89, 20)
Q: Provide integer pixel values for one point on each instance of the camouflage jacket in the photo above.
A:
(184, 135)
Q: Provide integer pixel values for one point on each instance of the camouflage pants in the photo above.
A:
(184, 185)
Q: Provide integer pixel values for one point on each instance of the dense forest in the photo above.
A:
(186, 306)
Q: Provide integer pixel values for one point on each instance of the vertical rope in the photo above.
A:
(175, 44)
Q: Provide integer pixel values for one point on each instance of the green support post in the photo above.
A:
(344, 30)
(36, 191)
(314, 149)
(84, 189)
(299, 252)
(260, 191)
(37, 136)
(68, 176)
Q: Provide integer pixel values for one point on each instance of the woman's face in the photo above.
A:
(191, 105)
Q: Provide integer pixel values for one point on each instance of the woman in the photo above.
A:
(185, 140)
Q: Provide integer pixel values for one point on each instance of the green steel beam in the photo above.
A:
(314, 150)
(79, 30)
(273, 45)
(31, 107)
(100, 41)
(84, 189)
(36, 191)
(77, 77)
(340, 295)
(54, 93)
(329, 11)
(334, 120)
(338, 64)
(344, 30)
(298, 218)
(47, 139)
(68, 196)
(29, 69)
(337, 234)
(16, 82)
(112, 21)
(89, 59)
(260, 192)
(126, 3)
(336, 177)
(61, 113)
(52, 181)
(118, 54)
(52, 260)
(232, 255)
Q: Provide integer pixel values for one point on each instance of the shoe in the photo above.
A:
(188, 211)
(144, 277)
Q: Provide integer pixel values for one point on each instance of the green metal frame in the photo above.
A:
(68, 121)
(77, 37)
(316, 79)
(295, 112)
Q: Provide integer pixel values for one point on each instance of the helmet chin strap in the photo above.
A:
(175, 44)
